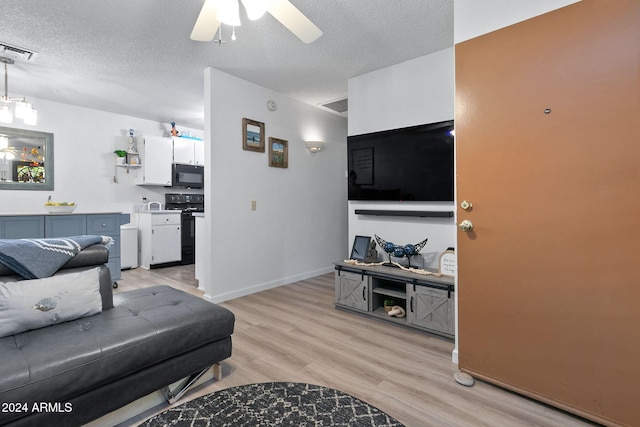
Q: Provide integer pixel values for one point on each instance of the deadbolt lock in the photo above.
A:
(466, 205)
(466, 226)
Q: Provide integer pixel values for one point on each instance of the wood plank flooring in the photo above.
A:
(294, 333)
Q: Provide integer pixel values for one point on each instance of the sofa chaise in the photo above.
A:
(75, 371)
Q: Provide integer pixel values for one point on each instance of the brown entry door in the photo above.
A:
(548, 153)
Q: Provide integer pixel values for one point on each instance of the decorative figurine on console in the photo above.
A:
(397, 311)
(372, 253)
(398, 251)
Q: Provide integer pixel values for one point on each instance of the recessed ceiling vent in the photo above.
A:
(341, 106)
(17, 53)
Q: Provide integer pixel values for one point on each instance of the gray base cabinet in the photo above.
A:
(21, 227)
(431, 309)
(65, 225)
(428, 300)
(352, 290)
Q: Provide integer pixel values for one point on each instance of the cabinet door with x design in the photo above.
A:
(430, 308)
(352, 290)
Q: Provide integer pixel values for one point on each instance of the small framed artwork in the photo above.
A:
(278, 153)
(252, 135)
(360, 248)
(448, 263)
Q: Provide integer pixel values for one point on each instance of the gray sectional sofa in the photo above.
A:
(73, 372)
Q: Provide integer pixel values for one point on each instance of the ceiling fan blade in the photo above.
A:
(207, 23)
(291, 17)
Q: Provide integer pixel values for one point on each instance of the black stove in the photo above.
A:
(188, 204)
(184, 202)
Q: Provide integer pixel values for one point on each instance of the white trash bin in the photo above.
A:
(128, 246)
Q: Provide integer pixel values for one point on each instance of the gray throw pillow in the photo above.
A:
(33, 304)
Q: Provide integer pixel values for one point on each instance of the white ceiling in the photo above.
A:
(134, 57)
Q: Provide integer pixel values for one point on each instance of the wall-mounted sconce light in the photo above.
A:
(314, 146)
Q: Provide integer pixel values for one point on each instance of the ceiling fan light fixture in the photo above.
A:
(216, 12)
(229, 12)
(255, 8)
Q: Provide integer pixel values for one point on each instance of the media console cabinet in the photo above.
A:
(428, 300)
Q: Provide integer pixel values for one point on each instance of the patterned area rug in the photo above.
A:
(274, 404)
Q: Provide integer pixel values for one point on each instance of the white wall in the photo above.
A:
(407, 94)
(472, 18)
(299, 226)
(84, 141)
(410, 93)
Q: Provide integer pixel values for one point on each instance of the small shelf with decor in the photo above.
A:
(126, 159)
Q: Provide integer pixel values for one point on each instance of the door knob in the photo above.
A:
(466, 205)
(466, 226)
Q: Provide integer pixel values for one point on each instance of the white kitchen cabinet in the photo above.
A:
(160, 240)
(198, 149)
(183, 151)
(156, 157)
(188, 151)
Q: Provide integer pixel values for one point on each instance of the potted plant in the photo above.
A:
(122, 156)
(388, 304)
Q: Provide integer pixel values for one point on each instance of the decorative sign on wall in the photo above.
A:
(448, 263)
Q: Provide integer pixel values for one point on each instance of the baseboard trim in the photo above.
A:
(267, 285)
(454, 355)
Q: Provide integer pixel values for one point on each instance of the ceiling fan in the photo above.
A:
(216, 12)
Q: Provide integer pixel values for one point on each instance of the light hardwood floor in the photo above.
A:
(294, 333)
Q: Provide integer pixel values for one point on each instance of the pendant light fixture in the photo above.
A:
(23, 109)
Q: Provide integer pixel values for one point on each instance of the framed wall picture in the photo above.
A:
(252, 135)
(278, 153)
(447, 265)
(360, 248)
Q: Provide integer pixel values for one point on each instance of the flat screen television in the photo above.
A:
(407, 164)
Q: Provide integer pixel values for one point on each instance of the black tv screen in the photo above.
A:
(408, 164)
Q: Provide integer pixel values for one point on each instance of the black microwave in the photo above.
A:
(187, 176)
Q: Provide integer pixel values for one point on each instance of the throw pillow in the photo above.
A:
(33, 304)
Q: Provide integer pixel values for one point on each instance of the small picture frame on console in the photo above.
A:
(360, 248)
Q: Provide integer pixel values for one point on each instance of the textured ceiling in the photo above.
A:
(134, 57)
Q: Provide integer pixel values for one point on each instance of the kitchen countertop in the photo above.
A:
(161, 211)
(61, 213)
